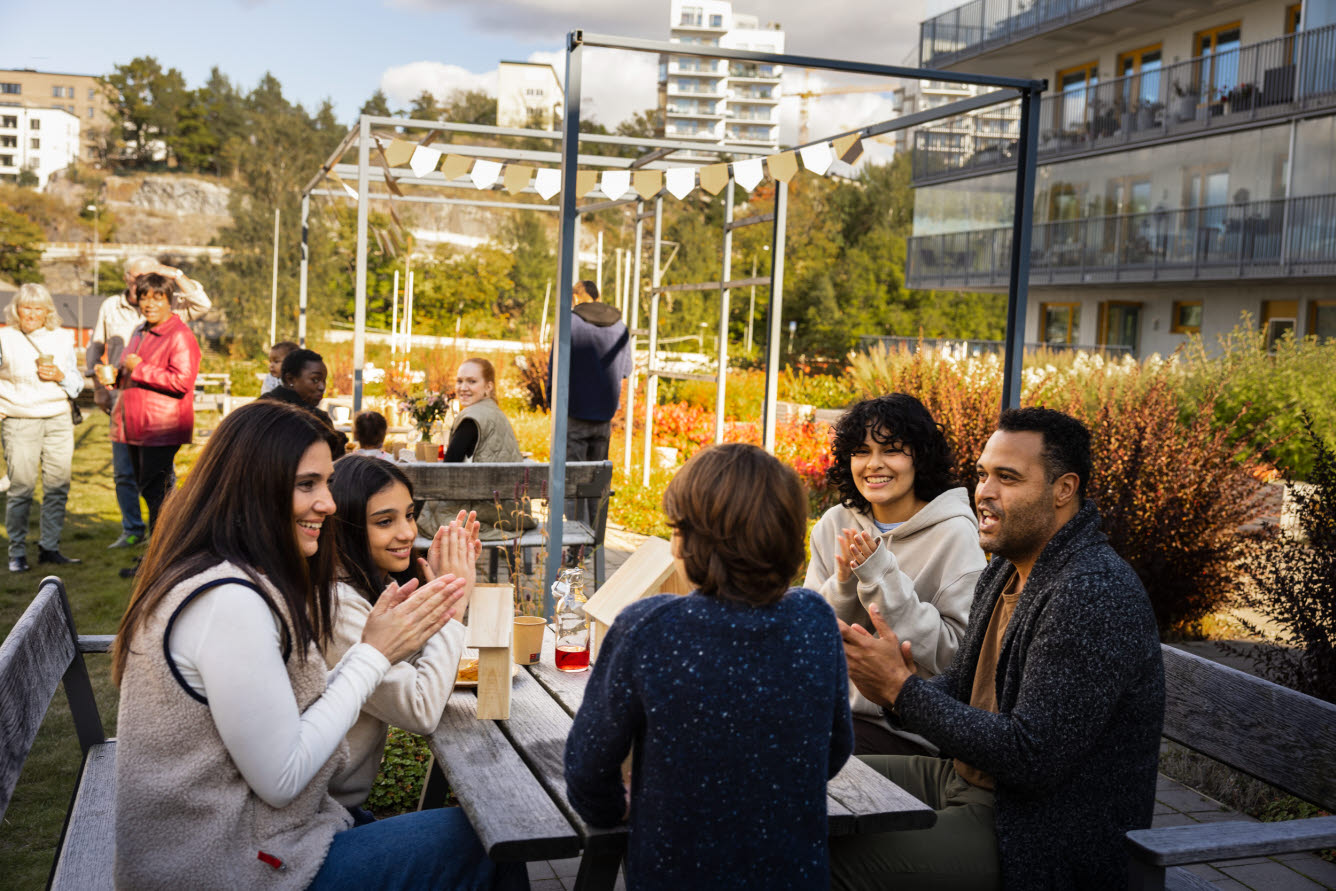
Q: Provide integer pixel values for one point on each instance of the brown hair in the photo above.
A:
(488, 372)
(369, 428)
(236, 505)
(740, 516)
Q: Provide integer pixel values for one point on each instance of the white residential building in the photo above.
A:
(714, 101)
(528, 94)
(42, 140)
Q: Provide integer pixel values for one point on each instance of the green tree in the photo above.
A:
(146, 104)
(470, 107)
(377, 105)
(20, 247)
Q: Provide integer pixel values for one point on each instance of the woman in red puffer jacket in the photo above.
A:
(155, 414)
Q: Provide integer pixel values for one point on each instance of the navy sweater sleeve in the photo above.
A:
(842, 733)
(609, 718)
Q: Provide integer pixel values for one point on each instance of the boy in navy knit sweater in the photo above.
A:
(733, 699)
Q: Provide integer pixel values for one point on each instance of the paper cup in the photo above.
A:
(46, 359)
(106, 374)
(526, 644)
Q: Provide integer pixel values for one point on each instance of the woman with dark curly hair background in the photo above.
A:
(903, 539)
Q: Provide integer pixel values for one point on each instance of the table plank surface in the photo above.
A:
(512, 813)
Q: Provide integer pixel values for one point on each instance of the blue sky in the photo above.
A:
(344, 50)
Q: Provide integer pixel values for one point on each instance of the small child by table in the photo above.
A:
(733, 700)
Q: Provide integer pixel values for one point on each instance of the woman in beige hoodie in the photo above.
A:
(903, 537)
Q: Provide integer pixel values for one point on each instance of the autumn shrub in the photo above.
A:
(531, 367)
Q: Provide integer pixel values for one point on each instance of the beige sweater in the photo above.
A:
(185, 817)
(921, 578)
(411, 696)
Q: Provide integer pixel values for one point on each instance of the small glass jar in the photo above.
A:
(572, 653)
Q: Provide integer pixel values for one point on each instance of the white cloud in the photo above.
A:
(403, 83)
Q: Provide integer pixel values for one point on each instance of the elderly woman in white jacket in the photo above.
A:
(904, 539)
(39, 375)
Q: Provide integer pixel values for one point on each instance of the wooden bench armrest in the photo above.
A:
(96, 643)
(1176, 845)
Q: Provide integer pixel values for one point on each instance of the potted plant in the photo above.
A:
(1241, 98)
(1185, 101)
(425, 411)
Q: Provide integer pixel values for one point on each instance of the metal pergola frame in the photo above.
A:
(1007, 89)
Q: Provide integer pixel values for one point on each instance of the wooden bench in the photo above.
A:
(1256, 727)
(588, 484)
(42, 650)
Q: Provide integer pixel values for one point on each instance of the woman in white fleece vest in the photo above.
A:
(903, 538)
(230, 725)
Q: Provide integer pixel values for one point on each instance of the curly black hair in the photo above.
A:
(1066, 441)
(897, 419)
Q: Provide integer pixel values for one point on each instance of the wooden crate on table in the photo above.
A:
(491, 621)
(650, 570)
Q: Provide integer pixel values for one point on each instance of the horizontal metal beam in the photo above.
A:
(682, 375)
(606, 205)
(763, 280)
(433, 199)
(749, 221)
(634, 44)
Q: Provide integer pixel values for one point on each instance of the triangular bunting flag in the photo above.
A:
(647, 183)
(398, 152)
(748, 173)
(516, 179)
(713, 178)
(456, 166)
(585, 181)
(547, 182)
(681, 181)
(843, 145)
(352, 193)
(783, 166)
(615, 183)
(485, 173)
(817, 158)
(424, 160)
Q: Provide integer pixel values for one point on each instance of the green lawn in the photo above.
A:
(31, 825)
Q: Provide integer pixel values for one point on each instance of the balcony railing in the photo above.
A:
(1257, 239)
(984, 24)
(1264, 80)
(737, 115)
(757, 72)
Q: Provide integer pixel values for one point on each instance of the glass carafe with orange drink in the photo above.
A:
(572, 653)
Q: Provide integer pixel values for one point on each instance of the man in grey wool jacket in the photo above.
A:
(1049, 717)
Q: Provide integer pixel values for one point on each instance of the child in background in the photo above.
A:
(733, 700)
(369, 429)
(277, 353)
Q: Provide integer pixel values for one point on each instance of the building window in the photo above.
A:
(15, 89)
(57, 92)
(1073, 85)
(6, 160)
(1141, 67)
(716, 21)
(35, 124)
(1218, 48)
(35, 142)
(9, 142)
(1059, 321)
(1120, 324)
(1322, 319)
(92, 94)
(1278, 318)
(90, 112)
(9, 121)
(691, 15)
(1186, 317)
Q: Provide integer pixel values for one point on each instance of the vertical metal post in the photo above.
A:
(1018, 287)
(273, 291)
(775, 311)
(359, 313)
(598, 262)
(394, 316)
(306, 262)
(1289, 193)
(751, 307)
(633, 322)
(567, 251)
(652, 379)
(721, 362)
(617, 284)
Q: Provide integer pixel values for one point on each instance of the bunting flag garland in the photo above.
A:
(424, 160)
(681, 181)
(456, 166)
(748, 173)
(485, 173)
(647, 183)
(816, 158)
(547, 182)
(713, 178)
(615, 184)
(783, 166)
(516, 179)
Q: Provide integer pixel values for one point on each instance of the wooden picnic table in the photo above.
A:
(509, 778)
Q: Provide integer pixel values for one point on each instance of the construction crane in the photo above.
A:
(806, 96)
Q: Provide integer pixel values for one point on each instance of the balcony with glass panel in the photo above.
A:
(695, 86)
(753, 94)
(1283, 238)
(690, 65)
(1228, 87)
(756, 72)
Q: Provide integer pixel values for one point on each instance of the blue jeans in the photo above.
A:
(127, 492)
(422, 850)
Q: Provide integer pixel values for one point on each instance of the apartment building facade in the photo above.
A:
(712, 100)
(528, 94)
(38, 140)
(1187, 168)
(82, 95)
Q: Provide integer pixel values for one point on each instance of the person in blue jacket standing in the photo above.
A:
(600, 359)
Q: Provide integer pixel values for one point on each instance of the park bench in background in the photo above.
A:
(588, 483)
(1270, 732)
(42, 650)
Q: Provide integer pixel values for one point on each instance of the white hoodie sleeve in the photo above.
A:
(821, 575)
